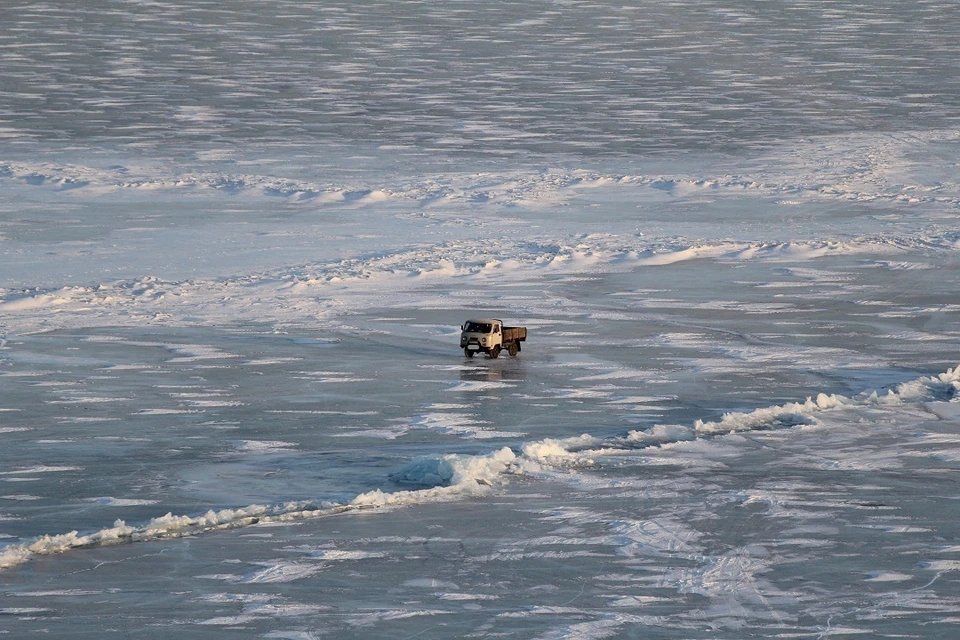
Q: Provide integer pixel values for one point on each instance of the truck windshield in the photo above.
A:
(478, 327)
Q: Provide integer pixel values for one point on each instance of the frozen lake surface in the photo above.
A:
(236, 247)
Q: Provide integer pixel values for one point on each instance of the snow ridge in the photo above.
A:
(863, 168)
(300, 293)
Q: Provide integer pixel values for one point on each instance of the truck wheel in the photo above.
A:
(495, 351)
(467, 352)
(512, 349)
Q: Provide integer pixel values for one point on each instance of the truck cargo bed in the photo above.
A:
(518, 334)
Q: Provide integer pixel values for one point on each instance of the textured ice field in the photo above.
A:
(688, 446)
(236, 246)
(499, 78)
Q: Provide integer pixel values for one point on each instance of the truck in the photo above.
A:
(489, 336)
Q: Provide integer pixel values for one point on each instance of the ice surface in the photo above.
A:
(236, 245)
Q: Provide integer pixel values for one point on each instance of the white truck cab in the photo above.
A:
(488, 335)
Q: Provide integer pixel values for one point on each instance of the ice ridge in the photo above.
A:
(453, 476)
(941, 387)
